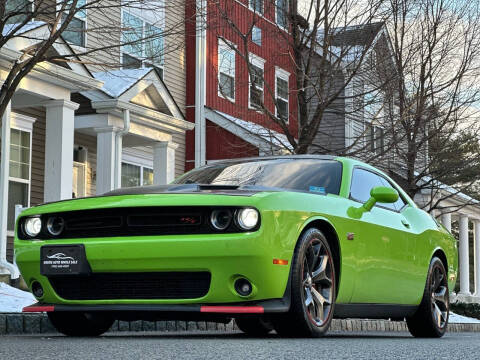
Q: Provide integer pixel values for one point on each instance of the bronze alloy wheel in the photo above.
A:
(439, 297)
(318, 280)
(431, 317)
(313, 288)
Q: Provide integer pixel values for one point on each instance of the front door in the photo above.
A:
(384, 246)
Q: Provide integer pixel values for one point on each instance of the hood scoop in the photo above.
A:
(173, 188)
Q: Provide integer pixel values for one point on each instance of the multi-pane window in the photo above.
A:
(256, 82)
(256, 5)
(19, 168)
(281, 13)
(226, 70)
(257, 35)
(75, 33)
(136, 175)
(18, 10)
(143, 43)
(281, 94)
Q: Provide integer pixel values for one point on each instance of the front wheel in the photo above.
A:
(313, 289)
(79, 323)
(254, 326)
(431, 318)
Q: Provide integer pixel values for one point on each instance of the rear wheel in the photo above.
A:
(79, 323)
(254, 326)
(431, 318)
(313, 289)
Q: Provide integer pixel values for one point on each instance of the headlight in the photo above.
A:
(55, 225)
(221, 219)
(32, 226)
(247, 218)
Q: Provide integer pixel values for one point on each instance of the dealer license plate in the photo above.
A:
(63, 260)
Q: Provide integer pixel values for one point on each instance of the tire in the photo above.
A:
(313, 289)
(80, 324)
(254, 326)
(431, 318)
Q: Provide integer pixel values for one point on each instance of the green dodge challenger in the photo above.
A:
(284, 243)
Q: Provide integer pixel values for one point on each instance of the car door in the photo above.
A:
(383, 245)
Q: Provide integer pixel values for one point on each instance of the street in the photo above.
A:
(208, 345)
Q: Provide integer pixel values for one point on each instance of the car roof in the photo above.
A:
(277, 157)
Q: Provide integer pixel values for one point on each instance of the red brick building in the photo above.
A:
(233, 123)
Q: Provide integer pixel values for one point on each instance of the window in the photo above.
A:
(75, 33)
(363, 181)
(375, 139)
(256, 82)
(23, 9)
(226, 70)
(256, 5)
(19, 178)
(281, 13)
(143, 43)
(257, 35)
(136, 175)
(281, 94)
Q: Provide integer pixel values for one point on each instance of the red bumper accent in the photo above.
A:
(39, 308)
(233, 309)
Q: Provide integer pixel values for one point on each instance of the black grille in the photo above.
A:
(109, 286)
(134, 221)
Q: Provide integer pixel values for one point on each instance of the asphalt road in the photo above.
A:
(236, 346)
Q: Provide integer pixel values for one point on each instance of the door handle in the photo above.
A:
(405, 223)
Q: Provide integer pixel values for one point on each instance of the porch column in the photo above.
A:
(463, 255)
(4, 174)
(59, 149)
(476, 227)
(447, 221)
(105, 159)
(164, 162)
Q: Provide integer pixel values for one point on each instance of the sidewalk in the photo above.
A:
(18, 323)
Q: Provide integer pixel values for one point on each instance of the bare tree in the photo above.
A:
(108, 27)
(326, 45)
(436, 45)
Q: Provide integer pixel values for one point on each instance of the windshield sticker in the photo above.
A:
(317, 189)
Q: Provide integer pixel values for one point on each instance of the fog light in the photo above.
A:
(37, 289)
(243, 287)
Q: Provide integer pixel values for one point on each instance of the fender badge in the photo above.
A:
(350, 236)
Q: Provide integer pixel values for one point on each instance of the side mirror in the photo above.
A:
(381, 194)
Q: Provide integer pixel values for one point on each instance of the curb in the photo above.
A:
(38, 323)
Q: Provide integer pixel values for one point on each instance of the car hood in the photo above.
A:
(243, 190)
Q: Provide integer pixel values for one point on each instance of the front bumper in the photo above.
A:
(260, 307)
(225, 256)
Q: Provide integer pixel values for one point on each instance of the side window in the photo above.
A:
(363, 181)
(397, 205)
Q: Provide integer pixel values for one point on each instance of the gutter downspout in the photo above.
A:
(200, 83)
(118, 148)
(4, 175)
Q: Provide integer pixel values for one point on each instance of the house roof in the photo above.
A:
(127, 84)
(8, 28)
(253, 133)
(117, 82)
(358, 35)
(349, 42)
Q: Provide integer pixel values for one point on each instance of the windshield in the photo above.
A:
(322, 176)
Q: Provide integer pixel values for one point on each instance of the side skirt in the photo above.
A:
(374, 311)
